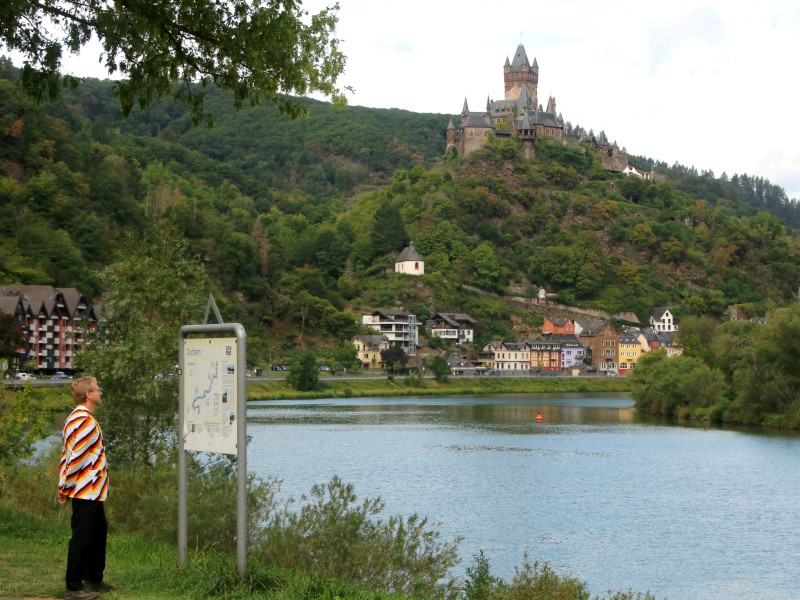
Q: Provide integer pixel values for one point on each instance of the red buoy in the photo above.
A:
(539, 417)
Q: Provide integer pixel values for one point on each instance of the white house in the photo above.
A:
(629, 170)
(456, 327)
(506, 356)
(662, 320)
(410, 262)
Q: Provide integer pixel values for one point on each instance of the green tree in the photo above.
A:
(670, 386)
(673, 250)
(11, 336)
(439, 368)
(633, 188)
(628, 273)
(488, 271)
(768, 382)
(388, 231)
(23, 426)
(256, 50)
(392, 357)
(346, 355)
(642, 236)
(150, 291)
(697, 336)
(303, 374)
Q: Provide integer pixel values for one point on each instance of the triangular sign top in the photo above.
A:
(212, 305)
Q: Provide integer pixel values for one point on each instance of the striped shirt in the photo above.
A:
(83, 472)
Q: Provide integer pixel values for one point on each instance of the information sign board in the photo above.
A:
(210, 394)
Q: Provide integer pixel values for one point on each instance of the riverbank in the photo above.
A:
(416, 386)
(34, 550)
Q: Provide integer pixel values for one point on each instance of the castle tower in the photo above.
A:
(451, 135)
(520, 73)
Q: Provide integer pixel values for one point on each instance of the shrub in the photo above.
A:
(334, 536)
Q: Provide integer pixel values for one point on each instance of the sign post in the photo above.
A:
(212, 391)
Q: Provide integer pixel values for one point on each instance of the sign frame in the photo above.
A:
(213, 331)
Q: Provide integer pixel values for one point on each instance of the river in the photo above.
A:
(688, 513)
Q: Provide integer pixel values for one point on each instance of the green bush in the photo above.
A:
(334, 536)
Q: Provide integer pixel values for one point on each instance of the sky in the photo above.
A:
(713, 85)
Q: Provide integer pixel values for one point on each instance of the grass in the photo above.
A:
(33, 552)
(359, 388)
(57, 399)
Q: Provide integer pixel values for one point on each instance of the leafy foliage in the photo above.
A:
(23, 425)
(151, 291)
(303, 372)
(738, 372)
(394, 358)
(439, 367)
(334, 535)
(255, 51)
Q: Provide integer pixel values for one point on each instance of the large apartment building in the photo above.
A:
(400, 328)
(54, 322)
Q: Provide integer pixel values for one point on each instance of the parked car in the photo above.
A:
(60, 376)
(323, 368)
(24, 376)
(495, 372)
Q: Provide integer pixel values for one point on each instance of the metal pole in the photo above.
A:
(182, 470)
(241, 453)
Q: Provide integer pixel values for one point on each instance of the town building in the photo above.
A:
(368, 350)
(634, 172)
(669, 341)
(573, 354)
(506, 356)
(545, 355)
(461, 365)
(630, 348)
(458, 328)
(54, 322)
(399, 327)
(602, 341)
(662, 320)
(558, 325)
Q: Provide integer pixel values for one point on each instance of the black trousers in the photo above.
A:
(86, 559)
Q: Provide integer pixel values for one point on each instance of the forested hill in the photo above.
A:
(298, 221)
(327, 154)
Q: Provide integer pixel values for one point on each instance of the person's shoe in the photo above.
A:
(101, 586)
(80, 595)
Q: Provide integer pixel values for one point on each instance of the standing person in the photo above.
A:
(83, 478)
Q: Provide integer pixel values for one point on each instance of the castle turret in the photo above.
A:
(451, 135)
(520, 73)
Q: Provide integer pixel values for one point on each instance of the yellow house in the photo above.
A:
(630, 348)
(368, 350)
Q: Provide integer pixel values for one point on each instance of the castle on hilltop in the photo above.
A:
(518, 114)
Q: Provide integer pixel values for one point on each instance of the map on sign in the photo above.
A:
(210, 395)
